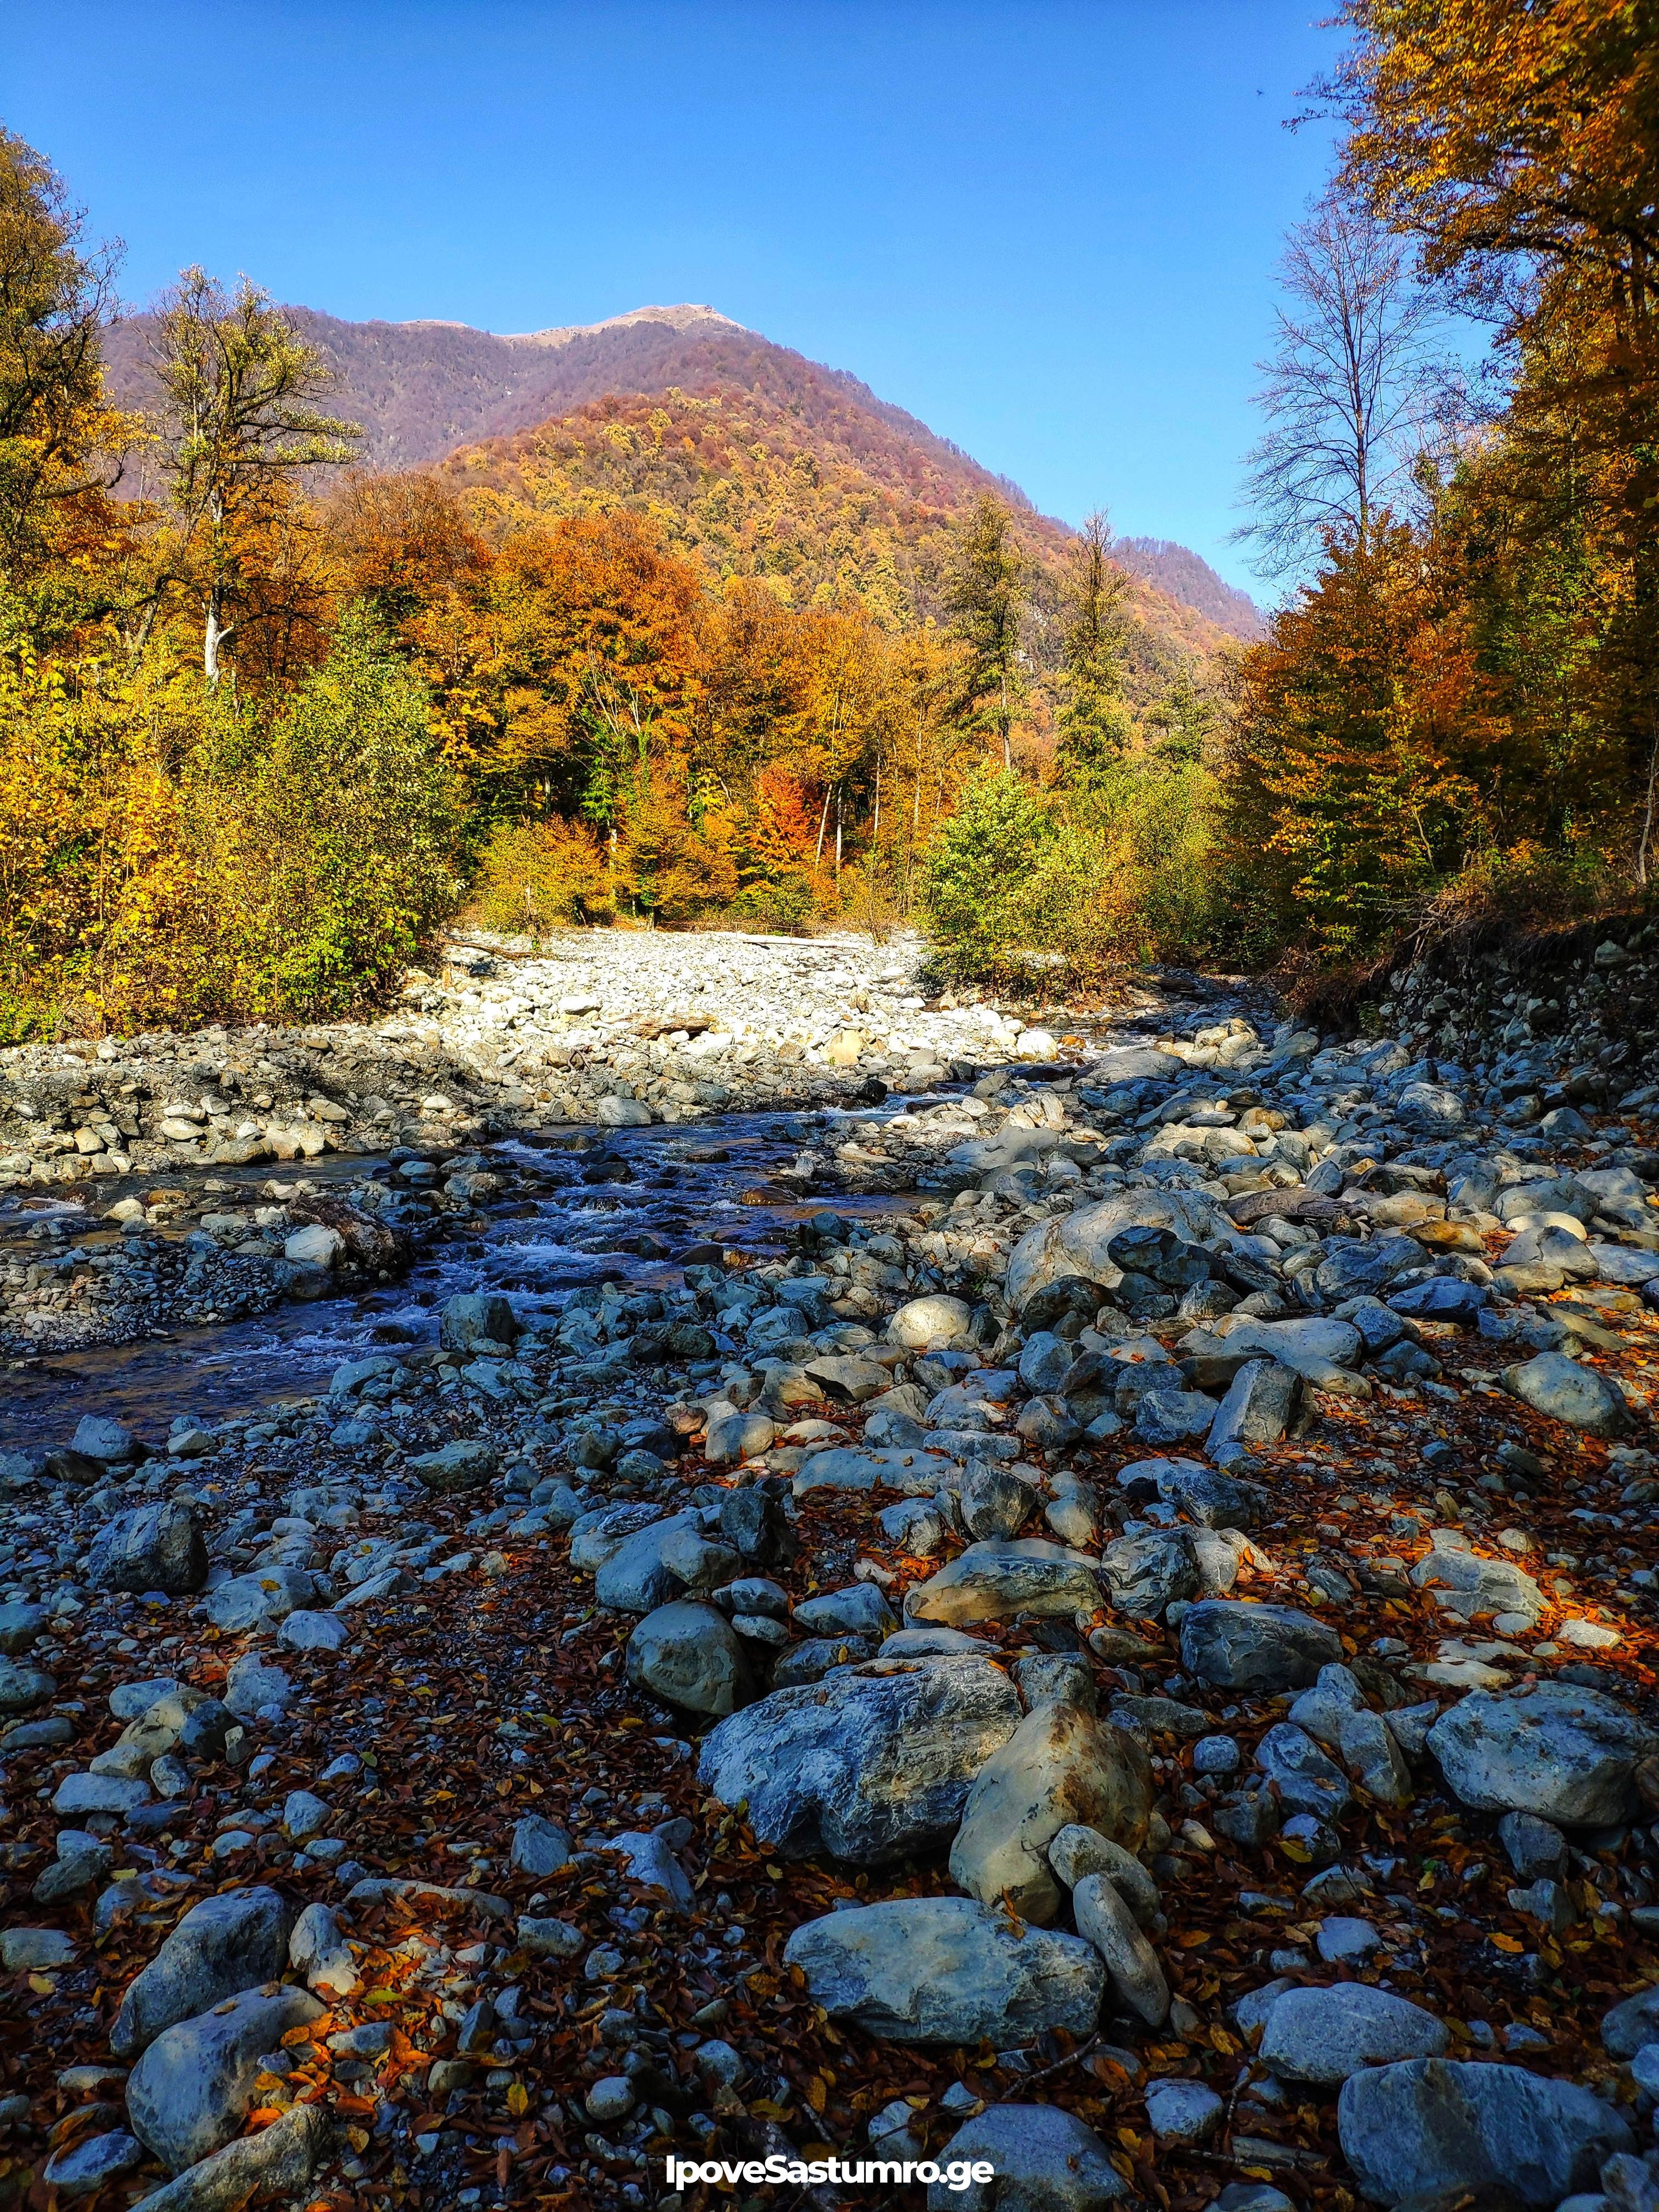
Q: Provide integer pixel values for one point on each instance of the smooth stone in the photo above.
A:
(1106, 1920)
(689, 1655)
(1327, 2034)
(1183, 2112)
(188, 2094)
(1045, 2160)
(945, 1970)
(277, 2162)
(1061, 1767)
(1553, 1384)
(222, 1946)
(990, 1581)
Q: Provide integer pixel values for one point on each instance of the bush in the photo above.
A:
(535, 876)
(1078, 883)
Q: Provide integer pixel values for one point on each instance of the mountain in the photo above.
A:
(743, 412)
(1185, 576)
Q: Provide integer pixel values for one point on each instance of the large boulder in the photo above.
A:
(689, 1656)
(222, 1946)
(1429, 2127)
(1236, 1646)
(946, 1970)
(1556, 1385)
(1060, 1768)
(1567, 1755)
(1075, 1243)
(154, 1547)
(1042, 2159)
(277, 2162)
(993, 1581)
(192, 2089)
(1325, 2035)
(871, 1763)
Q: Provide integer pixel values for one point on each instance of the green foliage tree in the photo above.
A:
(1093, 719)
(984, 597)
(979, 872)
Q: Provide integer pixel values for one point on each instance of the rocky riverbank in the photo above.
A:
(1117, 1643)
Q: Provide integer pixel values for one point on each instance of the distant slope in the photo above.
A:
(1185, 576)
(769, 464)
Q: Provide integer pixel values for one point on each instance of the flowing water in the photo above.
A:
(587, 1197)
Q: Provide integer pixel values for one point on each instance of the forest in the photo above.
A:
(269, 719)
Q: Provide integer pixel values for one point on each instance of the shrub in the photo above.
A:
(535, 876)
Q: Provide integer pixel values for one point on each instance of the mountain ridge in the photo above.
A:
(430, 390)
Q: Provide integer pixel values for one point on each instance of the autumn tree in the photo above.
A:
(985, 598)
(239, 423)
(57, 438)
(1353, 394)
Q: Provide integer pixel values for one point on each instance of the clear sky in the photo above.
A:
(1047, 229)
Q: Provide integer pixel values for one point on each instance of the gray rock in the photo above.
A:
(688, 1654)
(92, 2161)
(462, 1465)
(155, 1547)
(222, 1946)
(739, 1436)
(481, 1322)
(993, 1503)
(871, 1763)
(945, 1970)
(277, 2162)
(1325, 2035)
(859, 1610)
(1055, 1678)
(1045, 2160)
(22, 1688)
(20, 1625)
(258, 1600)
(1182, 2111)
(251, 1685)
(1076, 1851)
(1076, 1243)
(1430, 2125)
(1632, 2026)
(34, 1949)
(651, 1864)
(991, 1581)
(1306, 1781)
(1144, 1574)
(1535, 1847)
(304, 1629)
(1236, 1646)
(1476, 1584)
(98, 1437)
(669, 1560)
(1106, 1920)
(1045, 1362)
(1263, 1401)
(1552, 1383)
(192, 2088)
(1061, 1767)
(924, 1323)
(1567, 1755)
(77, 1794)
(550, 1939)
(316, 1949)
(540, 1846)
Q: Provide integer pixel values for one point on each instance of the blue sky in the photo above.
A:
(1048, 230)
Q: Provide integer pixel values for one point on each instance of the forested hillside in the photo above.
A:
(420, 391)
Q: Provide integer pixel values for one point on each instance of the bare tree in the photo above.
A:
(238, 385)
(1357, 390)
